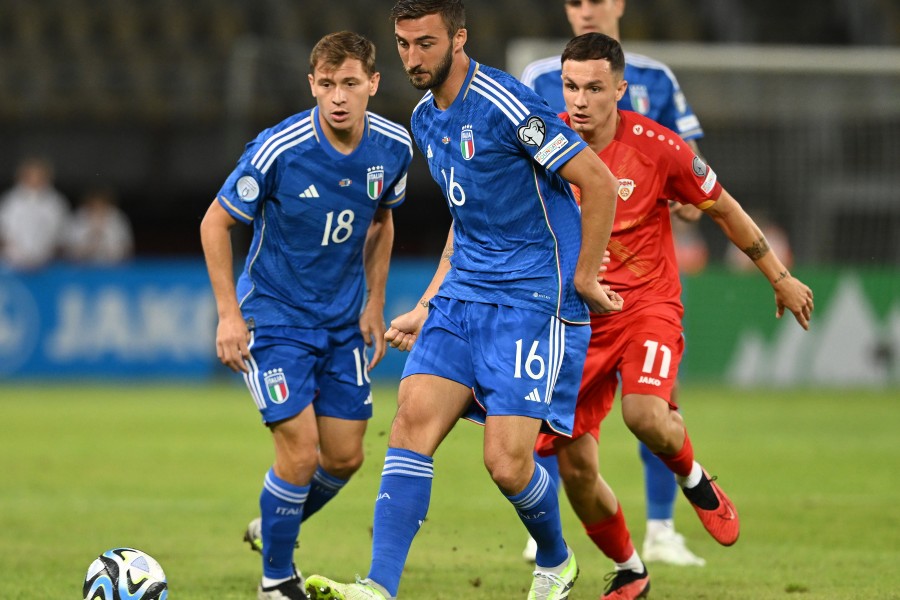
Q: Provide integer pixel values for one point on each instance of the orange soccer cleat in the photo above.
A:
(627, 585)
(716, 511)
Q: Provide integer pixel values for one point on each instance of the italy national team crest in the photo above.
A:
(626, 188)
(467, 142)
(640, 98)
(277, 386)
(375, 182)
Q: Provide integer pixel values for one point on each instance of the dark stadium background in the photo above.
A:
(156, 97)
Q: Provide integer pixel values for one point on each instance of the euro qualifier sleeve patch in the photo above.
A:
(532, 132)
(247, 188)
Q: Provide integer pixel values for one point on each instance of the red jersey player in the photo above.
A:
(643, 344)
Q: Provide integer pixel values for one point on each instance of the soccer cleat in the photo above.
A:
(627, 585)
(715, 510)
(322, 588)
(552, 586)
(253, 535)
(530, 551)
(292, 589)
(668, 547)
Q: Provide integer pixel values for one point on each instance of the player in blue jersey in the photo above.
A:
(506, 312)
(318, 190)
(653, 92)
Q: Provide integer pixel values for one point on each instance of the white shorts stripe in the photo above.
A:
(252, 378)
(557, 355)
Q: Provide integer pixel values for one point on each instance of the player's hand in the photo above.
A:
(603, 265)
(372, 326)
(405, 329)
(600, 298)
(795, 296)
(232, 343)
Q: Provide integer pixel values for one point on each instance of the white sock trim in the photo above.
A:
(693, 479)
(634, 563)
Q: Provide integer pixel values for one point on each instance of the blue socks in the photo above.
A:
(322, 489)
(400, 510)
(660, 486)
(551, 465)
(538, 508)
(281, 507)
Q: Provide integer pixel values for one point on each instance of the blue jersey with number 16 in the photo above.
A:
(495, 152)
(310, 207)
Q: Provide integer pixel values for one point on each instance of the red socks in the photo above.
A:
(612, 537)
(682, 461)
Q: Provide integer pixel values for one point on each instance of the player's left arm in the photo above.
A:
(790, 292)
(376, 259)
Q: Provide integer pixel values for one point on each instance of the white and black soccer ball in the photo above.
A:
(125, 574)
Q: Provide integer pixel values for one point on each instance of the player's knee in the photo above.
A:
(414, 428)
(645, 416)
(510, 474)
(296, 466)
(343, 467)
(577, 475)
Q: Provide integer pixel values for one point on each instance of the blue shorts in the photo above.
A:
(517, 361)
(291, 368)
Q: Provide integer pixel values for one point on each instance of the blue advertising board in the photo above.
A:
(157, 320)
(143, 319)
(147, 319)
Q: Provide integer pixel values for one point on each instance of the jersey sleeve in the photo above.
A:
(397, 188)
(689, 179)
(677, 114)
(242, 193)
(544, 136)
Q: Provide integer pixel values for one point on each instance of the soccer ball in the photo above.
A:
(125, 574)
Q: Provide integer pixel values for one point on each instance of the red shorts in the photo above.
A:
(643, 350)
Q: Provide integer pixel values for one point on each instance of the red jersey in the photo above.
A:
(653, 165)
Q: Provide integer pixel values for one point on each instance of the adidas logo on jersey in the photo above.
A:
(534, 396)
(310, 192)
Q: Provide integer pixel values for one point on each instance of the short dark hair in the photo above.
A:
(452, 12)
(596, 46)
(335, 48)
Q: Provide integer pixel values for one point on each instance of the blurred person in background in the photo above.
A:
(100, 232)
(641, 347)
(33, 217)
(653, 91)
(318, 189)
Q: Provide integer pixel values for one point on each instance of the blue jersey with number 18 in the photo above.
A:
(495, 152)
(310, 207)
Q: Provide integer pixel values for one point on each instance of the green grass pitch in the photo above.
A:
(176, 471)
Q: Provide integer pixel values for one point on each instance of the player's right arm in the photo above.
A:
(405, 329)
(598, 210)
(232, 336)
(687, 212)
